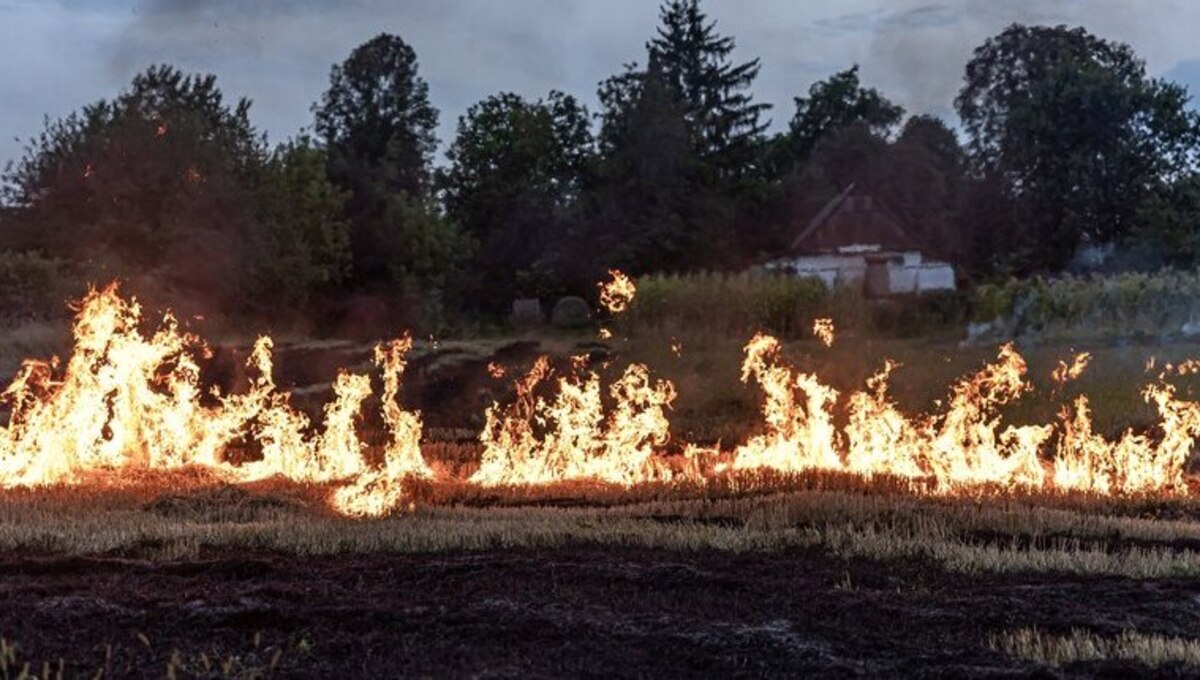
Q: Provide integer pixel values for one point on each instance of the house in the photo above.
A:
(855, 240)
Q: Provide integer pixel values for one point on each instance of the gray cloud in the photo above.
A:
(56, 56)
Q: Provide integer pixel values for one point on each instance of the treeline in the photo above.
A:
(1068, 143)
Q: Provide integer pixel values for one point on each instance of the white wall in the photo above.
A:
(907, 273)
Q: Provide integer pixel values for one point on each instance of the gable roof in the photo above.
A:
(853, 218)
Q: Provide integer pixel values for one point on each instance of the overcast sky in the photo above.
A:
(56, 55)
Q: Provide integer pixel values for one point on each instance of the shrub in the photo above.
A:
(1130, 304)
(33, 286)
(727, 304)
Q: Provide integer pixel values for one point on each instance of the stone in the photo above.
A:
(527, 313)
(571, 312)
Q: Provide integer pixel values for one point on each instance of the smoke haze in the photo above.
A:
(56, 56)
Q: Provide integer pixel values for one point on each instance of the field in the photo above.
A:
(746, 574)
(803, 574)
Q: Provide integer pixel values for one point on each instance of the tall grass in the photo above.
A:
(715, 305)
(1131, 304)
(1048, 649)
(727, 304)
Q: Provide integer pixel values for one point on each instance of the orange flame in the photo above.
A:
(127, 400)
(616, 294)
(823, 329)
(966, 444)
(570, 437)
(130, 399)
(1065, 373)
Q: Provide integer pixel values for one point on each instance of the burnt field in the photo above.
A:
(558, 611)
(548, 506)
(804, 574)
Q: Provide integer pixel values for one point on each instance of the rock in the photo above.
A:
(571, 312)
(527, 313)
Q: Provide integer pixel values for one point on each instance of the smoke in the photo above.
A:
(279, 52)
(919, 49)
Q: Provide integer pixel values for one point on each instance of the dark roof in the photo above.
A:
(852, 218)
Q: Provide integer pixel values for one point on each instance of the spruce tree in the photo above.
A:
(725, 122)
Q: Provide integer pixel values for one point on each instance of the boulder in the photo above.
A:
(571, 312)
(527, 313)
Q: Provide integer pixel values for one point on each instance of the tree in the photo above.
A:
(832, 105)
(642, 208)
(162, 182)
(1079, 137)
(378, 126)
(376, 117)
(712, 90)
(925, 179)
(304, 245)
(516, 171)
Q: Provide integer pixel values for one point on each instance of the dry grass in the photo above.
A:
(252, 661)
(997, 533)
(1047, 649)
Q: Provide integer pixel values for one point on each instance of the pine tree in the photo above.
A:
(696, 61)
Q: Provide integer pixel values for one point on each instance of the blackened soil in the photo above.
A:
(563, 612)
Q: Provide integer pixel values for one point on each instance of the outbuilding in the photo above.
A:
(855, 240)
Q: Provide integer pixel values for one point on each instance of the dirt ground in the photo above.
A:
(572, 612)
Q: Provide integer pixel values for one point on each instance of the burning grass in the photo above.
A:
(131, 402)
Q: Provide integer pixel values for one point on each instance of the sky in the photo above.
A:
(58, 55)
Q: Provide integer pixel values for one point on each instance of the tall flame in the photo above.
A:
(966, 444)
(539, 440)
(127, 399)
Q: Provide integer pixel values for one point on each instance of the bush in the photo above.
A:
(737, 305)
(1131, 304)
(726, 304)
(920, 314)
(33, 286)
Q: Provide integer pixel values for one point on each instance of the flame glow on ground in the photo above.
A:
(126, 399)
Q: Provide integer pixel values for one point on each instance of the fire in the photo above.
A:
(379, 490)
(799, 432)
(823, 330)
(1065, 373)
(616, 294)
(131, 399)
(569, 436)
(966, 444)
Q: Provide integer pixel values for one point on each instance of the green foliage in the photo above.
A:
(919, 315)
(696, 63)
(33, 286)
(1123, 305)
(724, 305)
(305, 245)
(1079, 136)
(648, 209)
(163, 181)
(831, 105)
(378, 126)
(714, 306)
(516, 170)
(376, 118)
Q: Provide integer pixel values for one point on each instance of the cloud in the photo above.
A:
(57, 55)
